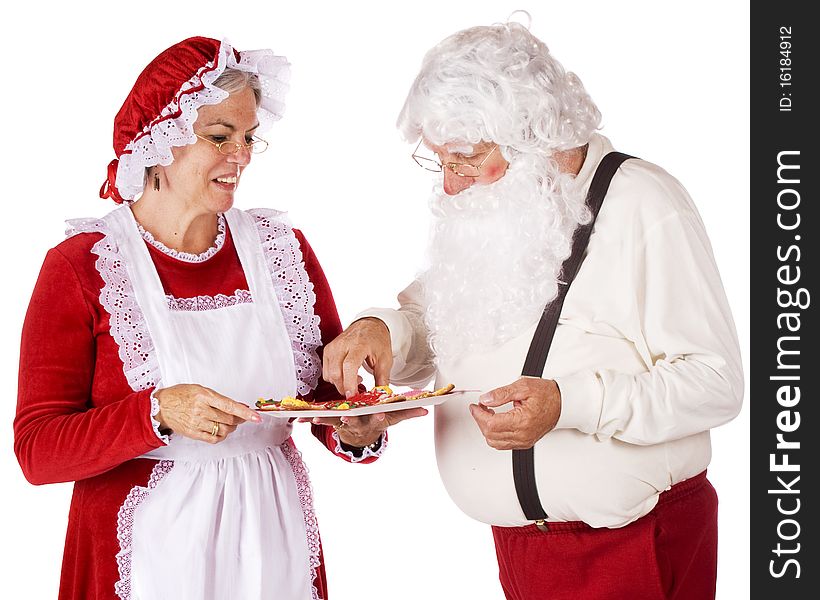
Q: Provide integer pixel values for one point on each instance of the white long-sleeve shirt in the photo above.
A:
(645, 354)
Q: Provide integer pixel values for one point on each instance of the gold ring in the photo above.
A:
(215, 429)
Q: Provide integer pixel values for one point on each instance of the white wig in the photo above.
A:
(498, 83)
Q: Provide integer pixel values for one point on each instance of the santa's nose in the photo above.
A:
(453, 184)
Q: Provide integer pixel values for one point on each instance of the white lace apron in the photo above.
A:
(220, 520)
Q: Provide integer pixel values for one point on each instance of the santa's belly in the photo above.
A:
(603, 483)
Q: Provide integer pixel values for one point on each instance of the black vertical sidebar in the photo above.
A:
(783, 367)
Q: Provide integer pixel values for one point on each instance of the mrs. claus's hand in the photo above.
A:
(536, 408)
(363, 431)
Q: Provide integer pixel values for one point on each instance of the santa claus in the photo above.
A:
(591, 469)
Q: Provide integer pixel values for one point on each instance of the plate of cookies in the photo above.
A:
(378, 400)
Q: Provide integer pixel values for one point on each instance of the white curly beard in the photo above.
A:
(495, 255)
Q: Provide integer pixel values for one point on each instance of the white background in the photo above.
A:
(671, 80)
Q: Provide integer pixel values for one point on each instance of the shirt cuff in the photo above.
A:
(397, 325)
(166, 439)
(582, 398)
(366, 452)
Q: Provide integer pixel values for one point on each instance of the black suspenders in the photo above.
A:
(523, 461)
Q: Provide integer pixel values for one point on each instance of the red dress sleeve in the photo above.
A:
(61, 433)
(330, 326)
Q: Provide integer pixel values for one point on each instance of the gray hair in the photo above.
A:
(234, 80)
(498, 83)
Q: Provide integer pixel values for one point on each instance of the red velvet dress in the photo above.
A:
(77, 417)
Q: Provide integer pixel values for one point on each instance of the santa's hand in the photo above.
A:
(365, 340)
(536, 408)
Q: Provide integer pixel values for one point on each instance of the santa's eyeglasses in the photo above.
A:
(460, 169)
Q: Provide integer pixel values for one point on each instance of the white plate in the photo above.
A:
(364, 410)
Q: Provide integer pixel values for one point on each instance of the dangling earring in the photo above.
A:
(156, 182)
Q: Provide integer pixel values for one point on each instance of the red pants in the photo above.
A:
(669, 554)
